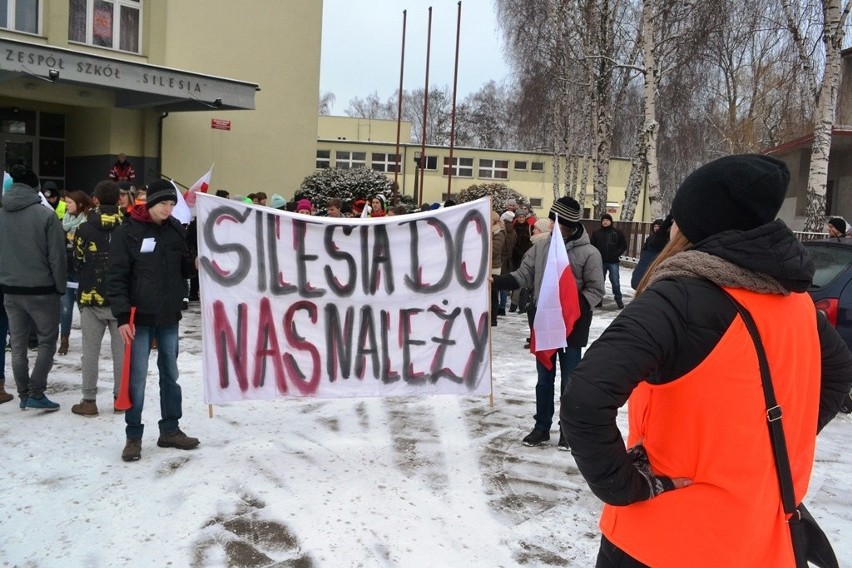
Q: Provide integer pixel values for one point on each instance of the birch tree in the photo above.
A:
(834, 15)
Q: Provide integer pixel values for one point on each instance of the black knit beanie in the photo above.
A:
(839, 224)
(568, 211)
(606, 216)
(160, 190)
(739, 192)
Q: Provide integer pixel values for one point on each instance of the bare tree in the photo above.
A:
(484, 118)
(371, 107)
(833, 20)
(326, 101)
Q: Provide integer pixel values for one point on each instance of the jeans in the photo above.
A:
(67, 308)
(614, 279)
(41, 313)
(504, 295)
(568, 359)
(4, 331)
(170, 394)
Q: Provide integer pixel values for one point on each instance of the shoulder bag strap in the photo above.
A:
(773, 414)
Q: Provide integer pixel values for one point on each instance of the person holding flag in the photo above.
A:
(566, 275)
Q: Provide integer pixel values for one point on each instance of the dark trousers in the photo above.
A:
(610, 556)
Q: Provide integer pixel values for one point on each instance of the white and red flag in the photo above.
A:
(558, 305)
(201, 186)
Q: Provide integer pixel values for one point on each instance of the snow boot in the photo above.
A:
(177, 439)
(85, 408)
(63, 345)
(132, 450)
(4, 396)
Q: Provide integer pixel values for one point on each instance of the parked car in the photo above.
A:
(831, 289)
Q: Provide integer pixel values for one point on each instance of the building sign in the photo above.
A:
(220, 124)
(67, 65)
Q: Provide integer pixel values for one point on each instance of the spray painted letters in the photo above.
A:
(310, 306)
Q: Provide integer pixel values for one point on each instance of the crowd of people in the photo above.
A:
(711, 280)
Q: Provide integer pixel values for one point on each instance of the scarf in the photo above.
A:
(697, 264)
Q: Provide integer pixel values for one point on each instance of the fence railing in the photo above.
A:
(636, 232)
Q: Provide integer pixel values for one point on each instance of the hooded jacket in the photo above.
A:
(147, 268)
(32, 245)
(610, 242)
(91, 253)
(586, 266)
(680, 353)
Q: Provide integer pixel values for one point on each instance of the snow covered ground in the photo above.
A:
(439, 482)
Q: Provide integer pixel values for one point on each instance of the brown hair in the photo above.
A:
(81, 199)
(678, 243)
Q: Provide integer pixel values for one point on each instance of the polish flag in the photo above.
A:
(181, 212)
(558, 302)
(202, 185)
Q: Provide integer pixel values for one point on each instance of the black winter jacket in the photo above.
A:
(152, 281)
(665, 333)
(91, 254)
(610, 242)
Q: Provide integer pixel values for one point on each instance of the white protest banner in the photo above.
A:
(295, 305)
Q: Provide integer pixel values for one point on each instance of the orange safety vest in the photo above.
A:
(710, 426)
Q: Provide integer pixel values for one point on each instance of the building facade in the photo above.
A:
(176, 85)
(346, 142)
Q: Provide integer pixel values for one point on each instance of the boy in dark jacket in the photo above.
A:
(611, 244)
(91, 255)
(148, 265)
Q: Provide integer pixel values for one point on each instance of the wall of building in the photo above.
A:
(273, 43)
(337, 135)
(362, 129)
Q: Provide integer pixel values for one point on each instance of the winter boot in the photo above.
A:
(177, 439)
(4, 396)
(85, 408)
(132, 450)
(536, 437)
(63, 345)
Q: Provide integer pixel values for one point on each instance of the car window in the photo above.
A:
(830, 262)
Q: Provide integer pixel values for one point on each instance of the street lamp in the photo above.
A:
(417, 165)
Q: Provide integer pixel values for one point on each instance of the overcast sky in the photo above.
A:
(361, 43)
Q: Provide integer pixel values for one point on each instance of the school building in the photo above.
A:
(176, 85)
(346, 142)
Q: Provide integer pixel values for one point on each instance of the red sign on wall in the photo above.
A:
(220, 124)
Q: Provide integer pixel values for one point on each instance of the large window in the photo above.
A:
(349, 160)
(494, 169)
(20, 15)
(462, 167)
(323, 159)
(385, 162)
(116, 24)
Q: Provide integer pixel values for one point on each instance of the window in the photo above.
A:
(349, 160)
(429, 162)
(536, 166)
(115, 24)
(535, 202)
(323, 159)
(385, 162)
(20, 15)
(521, 165)
(462, 167)
(494, 169)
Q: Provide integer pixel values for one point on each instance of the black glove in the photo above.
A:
(656, 483)
(505, 282)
